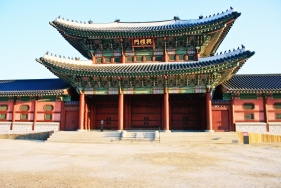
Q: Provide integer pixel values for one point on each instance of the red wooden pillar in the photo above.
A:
(93, 59)
(34, 114)
(197, 56)
(14, 113)
(166, 111)
(62, 117)
(123, 58)
(232, 127)
(265, 112)
(85, 115)
(209, 112)
(81, 110)
(120, 111)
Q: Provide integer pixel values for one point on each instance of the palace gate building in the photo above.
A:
(150, 75)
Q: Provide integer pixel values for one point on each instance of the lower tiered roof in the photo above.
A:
(33, 87)
(205, 73)
(254, 83)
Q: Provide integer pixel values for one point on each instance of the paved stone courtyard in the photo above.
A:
(38, 164)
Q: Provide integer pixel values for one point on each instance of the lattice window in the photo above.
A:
(107, 59)
(249, 116)
(129, 59)
(139, 58)
(3, 116)
(98, 60)
(117, 60)
(48, 107)
(248, 106)
(191, 57)
(24, 107)
(172, 57)
(3, 107)
(278, 116)
(181, 57)
(277, 105)
(149, 58)
(158, 58)
(23, 116)
(48, 117)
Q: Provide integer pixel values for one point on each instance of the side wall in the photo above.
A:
(261, 119)
(30, 116)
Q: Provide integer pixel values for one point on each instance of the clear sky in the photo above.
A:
(26, 33)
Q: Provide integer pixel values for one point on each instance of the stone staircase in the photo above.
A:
(200, 137)
(90, 137)
(143, 136)
(140, 136)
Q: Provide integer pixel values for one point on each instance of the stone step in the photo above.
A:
(84, 137)
(138, 135)
(145, 137)
(206, 137)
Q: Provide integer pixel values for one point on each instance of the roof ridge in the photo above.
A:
(80, 23)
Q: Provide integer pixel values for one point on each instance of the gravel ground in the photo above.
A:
(38, 164)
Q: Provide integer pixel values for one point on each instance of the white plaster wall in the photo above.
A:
(251, 127)
(43, 127)
(22, 127)
(275, 128)
(5, 127)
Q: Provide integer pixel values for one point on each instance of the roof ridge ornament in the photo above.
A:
(90, 21)
(176, 18)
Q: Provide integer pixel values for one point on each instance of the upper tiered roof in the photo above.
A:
(139, 29)
(32, 87)
(212, 29)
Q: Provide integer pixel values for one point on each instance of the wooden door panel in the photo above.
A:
(71, 120)
(138, 117)
(137, 110)
(107, 109)
(146, 123)
(109, 114)
(185, 117)
(153, 110)
(220, 120)
(106, 116)
(146, 112)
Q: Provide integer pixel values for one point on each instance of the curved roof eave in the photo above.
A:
(86, 67)
(142, 27)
